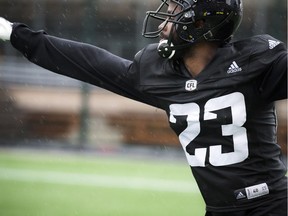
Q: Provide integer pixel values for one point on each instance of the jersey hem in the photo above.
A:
(244, 207)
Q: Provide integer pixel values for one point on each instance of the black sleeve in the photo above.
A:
(77, 60)
(274, 84)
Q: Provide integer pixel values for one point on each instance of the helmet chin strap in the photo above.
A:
(166, 48)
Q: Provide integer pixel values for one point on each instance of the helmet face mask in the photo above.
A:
(218, 19)
(162, 16)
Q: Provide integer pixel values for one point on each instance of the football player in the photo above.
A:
(218, 95)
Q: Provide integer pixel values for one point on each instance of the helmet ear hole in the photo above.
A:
(199, 23)
(190, 33)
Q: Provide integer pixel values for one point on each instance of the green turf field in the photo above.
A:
(52, 184)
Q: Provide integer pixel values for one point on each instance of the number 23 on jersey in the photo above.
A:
(191, 111)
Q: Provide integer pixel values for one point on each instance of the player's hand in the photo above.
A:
(5, 29)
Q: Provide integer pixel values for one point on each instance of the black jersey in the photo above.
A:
(224, 117)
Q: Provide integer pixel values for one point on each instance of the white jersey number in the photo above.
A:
(216, 158)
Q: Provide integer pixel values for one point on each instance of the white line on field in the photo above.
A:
(125, 182)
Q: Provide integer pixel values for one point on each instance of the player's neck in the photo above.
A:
(199, 56)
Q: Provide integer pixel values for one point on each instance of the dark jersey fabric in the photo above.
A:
(224, 117)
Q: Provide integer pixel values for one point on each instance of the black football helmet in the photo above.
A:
(219, 20)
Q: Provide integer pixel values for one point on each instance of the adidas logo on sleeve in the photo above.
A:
(273, 44)
(234, 68)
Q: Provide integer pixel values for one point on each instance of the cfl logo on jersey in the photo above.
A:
(191, 85)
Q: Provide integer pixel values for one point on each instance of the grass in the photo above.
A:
(40, 184)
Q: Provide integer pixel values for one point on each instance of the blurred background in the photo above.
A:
(69, 148)
(41, 109)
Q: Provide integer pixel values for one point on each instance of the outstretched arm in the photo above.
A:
(73, 59)
(77, 60)
(81, 61)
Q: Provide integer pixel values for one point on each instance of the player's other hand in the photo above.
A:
(5, 29)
